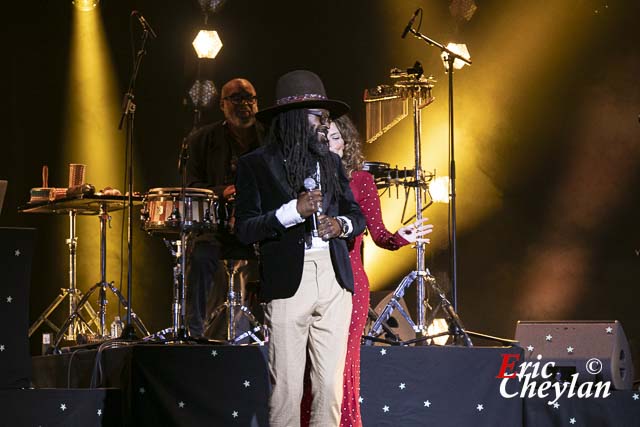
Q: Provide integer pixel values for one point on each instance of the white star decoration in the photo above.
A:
(636, 396)
(402, 386)
(383, 351)
(360, 399)
(609, 330)
(572, 421)
(556, 405)
(1, 347)
(141, 390)
(63, 407)
(17, 253)
(246, 383)
(9, 299)
(181, 404)
(548, 337)
(427, 403)
(530, 348)
(234, 414)
(99, 412)
(480, 407)
(214, 353)
(569, 349)
(385, 408)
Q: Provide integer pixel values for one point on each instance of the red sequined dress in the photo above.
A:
(365, 193)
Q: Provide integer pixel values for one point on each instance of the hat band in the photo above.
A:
(299, 98)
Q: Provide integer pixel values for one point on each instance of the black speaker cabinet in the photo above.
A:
(16, 253)
(596, 350)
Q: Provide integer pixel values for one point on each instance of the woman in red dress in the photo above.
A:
(344, 141)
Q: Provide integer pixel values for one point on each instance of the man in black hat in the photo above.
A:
(301, 226)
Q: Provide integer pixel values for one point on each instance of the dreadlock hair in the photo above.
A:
(290, 131)
(352, 158)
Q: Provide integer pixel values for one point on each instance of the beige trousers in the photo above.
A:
(316, 319)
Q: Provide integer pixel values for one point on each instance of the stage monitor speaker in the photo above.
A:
(596, 350)
(16, 253)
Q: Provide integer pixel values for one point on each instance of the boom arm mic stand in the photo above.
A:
(128, 113)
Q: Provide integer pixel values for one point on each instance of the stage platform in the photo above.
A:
(214, 385)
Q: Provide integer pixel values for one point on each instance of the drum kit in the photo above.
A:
(171, 214)
(176, 215)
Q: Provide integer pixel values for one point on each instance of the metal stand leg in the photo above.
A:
(177, 333)
(102, 286)
(234, 308)
(73, 326)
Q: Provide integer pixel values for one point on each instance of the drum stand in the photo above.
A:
(178, 329)
(232, 304)
(103, 285)
(177, 332)
(75, 324)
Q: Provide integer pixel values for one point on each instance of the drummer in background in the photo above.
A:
(213, 154)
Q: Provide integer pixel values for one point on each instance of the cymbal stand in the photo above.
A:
(74, 324)
(232, 304)
(102, 286)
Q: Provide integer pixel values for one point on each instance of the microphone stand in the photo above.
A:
(180, 332)
(451, 57)
(128, 113)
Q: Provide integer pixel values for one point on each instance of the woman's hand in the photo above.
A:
(413, 232)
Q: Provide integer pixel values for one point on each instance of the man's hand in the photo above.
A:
(309, 202)
(328, 227)
(229, 192)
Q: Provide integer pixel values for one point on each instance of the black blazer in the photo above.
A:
(261, 188)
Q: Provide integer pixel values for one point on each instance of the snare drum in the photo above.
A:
(164, 213)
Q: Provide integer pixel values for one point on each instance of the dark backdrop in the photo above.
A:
(546, 119)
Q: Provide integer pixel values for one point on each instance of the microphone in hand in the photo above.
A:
(314, 197)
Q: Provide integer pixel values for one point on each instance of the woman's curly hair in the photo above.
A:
(352, 158)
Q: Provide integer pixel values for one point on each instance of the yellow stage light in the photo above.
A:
(439, 189)
(91, 137)
(460, 49)
(438, 326)
(85, 5)
(207, 44)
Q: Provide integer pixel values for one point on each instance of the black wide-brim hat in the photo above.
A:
(301, 89)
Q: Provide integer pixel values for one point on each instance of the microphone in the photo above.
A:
(310, 184)
(410, 24)
(144, 23)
